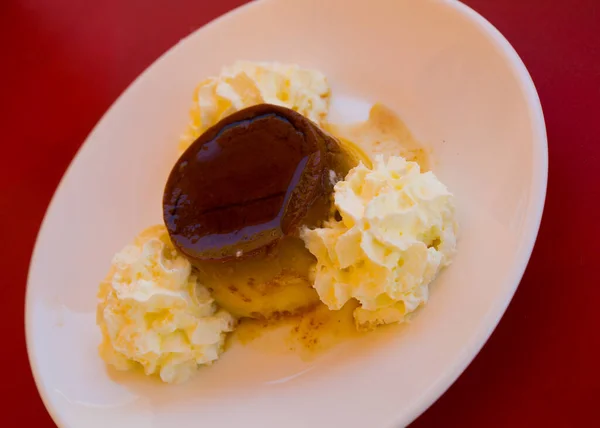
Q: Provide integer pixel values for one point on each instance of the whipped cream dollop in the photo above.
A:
(153, 312)
(245, 84)
(397, 231)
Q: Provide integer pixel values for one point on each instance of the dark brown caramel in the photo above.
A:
(249, 180)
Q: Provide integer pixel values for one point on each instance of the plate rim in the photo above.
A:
(538, 186)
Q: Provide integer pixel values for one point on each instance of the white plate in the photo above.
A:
(459, 86)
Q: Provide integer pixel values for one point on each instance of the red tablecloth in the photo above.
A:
(65, 61)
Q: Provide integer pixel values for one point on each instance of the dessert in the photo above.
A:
(236, 199)
(248, 181)
(397, 230)
(272, 212)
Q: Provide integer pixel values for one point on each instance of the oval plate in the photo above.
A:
(458, 85)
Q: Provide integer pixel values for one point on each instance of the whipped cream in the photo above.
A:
(397, 230)
(153, 312)
(245, 84)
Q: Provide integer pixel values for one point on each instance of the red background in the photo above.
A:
(65, 61)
